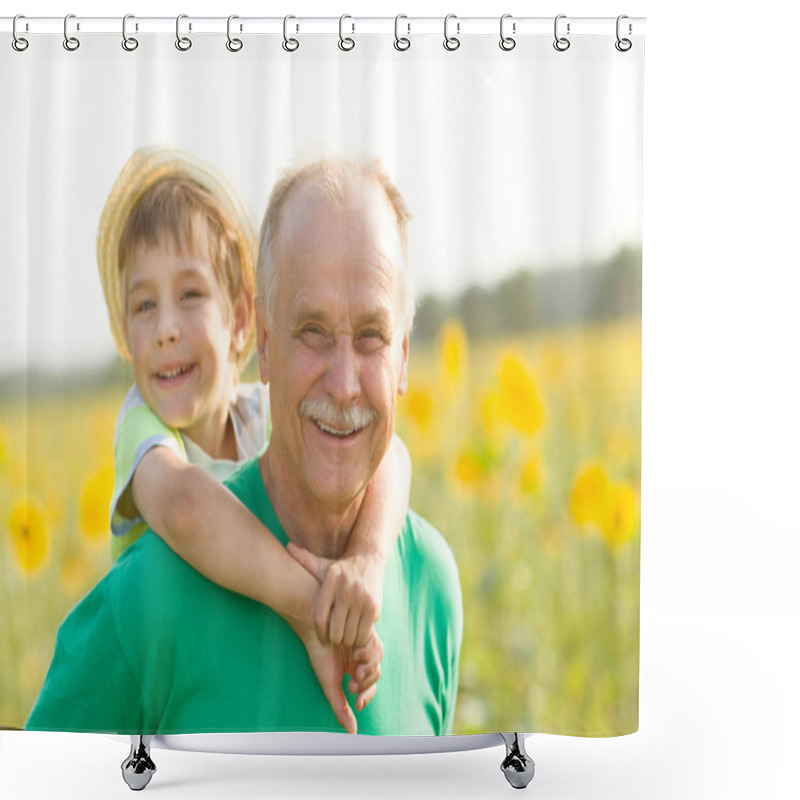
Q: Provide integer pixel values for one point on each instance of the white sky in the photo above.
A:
(505, 159)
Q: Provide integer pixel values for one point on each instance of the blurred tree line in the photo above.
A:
(70, 382)
(530, 299)
(544, 298)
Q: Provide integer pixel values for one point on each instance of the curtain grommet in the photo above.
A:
(129, 43)
(561, 43)
(71, 43)
(183, 43)
(401, 43)
(19, 43)
(346, 43)
(451, 43)
(289, 44)
(234, 44)
(507, 43)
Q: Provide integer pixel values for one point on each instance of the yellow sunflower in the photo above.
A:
(28, 528)
(95, 500)
(419, 406)
(589, 495)
(520, 403)
(468, 470)
(620, 516)
(531, 474)
(452, 347)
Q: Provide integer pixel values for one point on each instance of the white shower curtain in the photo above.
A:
(521, 169)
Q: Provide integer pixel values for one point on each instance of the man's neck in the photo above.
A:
(323, 531)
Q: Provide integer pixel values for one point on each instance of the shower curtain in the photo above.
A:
(516, 149)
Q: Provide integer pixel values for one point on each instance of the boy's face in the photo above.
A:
(183, 338)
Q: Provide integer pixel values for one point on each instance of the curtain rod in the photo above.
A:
(325, 25)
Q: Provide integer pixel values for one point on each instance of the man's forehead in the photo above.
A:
(356, 200)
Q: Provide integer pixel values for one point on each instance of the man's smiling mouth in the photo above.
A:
(335, 431)
(341, 423)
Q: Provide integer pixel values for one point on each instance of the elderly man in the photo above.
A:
(155, 647)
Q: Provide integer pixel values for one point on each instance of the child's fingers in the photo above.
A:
(365, 697)
(364, 678)
(363, 672)
(371, 653)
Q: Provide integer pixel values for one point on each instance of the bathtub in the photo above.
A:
(139, 767)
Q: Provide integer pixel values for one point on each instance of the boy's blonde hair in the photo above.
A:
(164, 197)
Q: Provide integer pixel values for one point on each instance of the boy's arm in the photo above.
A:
(207, 526)
(351, 596)
(384, 509)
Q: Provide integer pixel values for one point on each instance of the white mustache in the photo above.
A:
(350, 418)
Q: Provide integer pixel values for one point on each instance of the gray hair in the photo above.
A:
(332, 176)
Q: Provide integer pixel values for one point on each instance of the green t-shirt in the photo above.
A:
(157, 648)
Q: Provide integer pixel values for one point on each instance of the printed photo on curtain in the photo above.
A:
(320, 382)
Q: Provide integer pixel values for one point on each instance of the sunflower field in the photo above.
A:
(526, 456)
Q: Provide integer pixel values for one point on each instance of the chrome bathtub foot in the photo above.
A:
(517, 766)
(138, 768)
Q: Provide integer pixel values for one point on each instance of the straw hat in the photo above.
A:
(146, 166)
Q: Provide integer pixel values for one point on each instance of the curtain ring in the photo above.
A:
(561, 43)
(183, 43)
(233, 44)
(289, 45)
(623, 45)
(506, 42)
(71, 43)
(345, 42)
(401, 42)
(19, 43)
(129, 43)
(451, 42)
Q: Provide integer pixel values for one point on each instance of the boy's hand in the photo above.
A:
(350, 598)
(331, 664)
(365, 669)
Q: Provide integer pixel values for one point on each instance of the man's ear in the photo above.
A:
(242, 319)
(261, 343)
(402, 384)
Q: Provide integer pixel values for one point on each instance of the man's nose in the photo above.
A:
(342, 377)
(168, 331)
